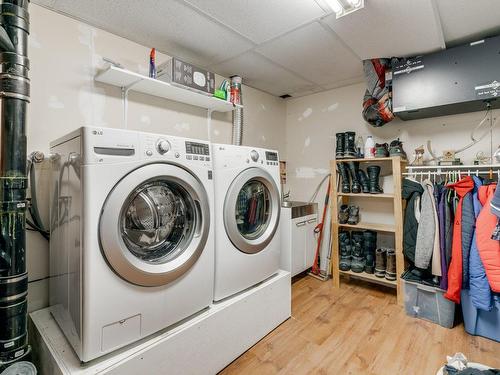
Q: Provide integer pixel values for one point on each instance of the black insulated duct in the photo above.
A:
(14, 98)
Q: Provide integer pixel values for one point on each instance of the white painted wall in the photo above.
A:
(65, 55)
(311, 124)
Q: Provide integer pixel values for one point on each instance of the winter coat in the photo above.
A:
(445, 218)
(489, 249)
(411, 192)
(479, 288)
(461, 187)
(427, 225)
(495, 204)
(468, 223)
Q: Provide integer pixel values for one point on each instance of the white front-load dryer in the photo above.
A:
(132, 245)
(247, 210)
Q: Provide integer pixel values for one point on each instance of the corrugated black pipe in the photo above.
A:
(14, 97)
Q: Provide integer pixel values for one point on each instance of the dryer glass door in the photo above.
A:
(154, 224)
(251, 210)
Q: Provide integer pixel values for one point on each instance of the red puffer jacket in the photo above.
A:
(489, 249)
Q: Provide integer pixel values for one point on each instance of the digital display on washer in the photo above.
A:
(272, 156)
(197, 148)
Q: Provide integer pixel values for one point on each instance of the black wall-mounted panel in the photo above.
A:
(458, 80)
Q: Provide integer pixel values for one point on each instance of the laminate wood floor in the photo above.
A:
(357, 329)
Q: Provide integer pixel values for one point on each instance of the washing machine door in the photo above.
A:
(154, 224)
(251, 210)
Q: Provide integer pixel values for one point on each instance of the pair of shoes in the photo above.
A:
(396, 149)
(349, 214)
(361, 182)
(346, 145)
(357, 251)
(385, 264)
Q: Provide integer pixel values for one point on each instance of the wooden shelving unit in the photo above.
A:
(394, 165)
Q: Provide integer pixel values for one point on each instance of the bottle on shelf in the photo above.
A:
(369, 148)
(360, 147)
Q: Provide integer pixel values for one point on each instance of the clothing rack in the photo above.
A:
(490, 170)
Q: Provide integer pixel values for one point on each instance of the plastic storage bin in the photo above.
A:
(480, 322)
(427, 302)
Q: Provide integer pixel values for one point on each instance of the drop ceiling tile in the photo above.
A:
(314, 53)
(170, 26)
(343, 83)
(465, 20)
(385, 28)
(261, 21)
(260, 73)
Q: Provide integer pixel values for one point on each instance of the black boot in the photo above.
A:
(343, 214)
(345, 250)
(373, 176)
(353, 215)
(339, 150)
(358, 255)
(350, 145)
(354, 168)
(380, 262)
(370, 244)
(363, 180)
(346, 182)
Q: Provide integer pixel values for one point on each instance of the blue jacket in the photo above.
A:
(479, 288)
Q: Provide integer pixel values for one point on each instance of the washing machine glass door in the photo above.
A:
(251, 210)
(154, 224)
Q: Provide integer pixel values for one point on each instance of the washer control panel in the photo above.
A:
(197, 151)
(271, 158)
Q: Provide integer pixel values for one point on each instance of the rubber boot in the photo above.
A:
(353, 215)
(339, 149)
(350, 145)
(345, 250)
(370, 244)
(373, 177)
(354, 168)
(390, 270)
(358, 255)
(363, 180)
(380, 262)
(343, 214)
(346, 182)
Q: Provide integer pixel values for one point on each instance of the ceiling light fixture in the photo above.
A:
(344, 7)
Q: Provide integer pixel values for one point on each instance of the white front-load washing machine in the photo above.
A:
(247, 210)
(132, 247)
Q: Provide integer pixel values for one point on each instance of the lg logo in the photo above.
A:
(97, 132)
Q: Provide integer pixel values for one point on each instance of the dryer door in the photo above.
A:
(154, 224)
(251, 210)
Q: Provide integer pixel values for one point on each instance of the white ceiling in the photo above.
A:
(294, 47)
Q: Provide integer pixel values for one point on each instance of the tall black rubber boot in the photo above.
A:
(358, 261)
(363, 180)
(350, 145)
(370, 244)
(345, 250)
(373, 177)
(339, 149)
(346, 182)
(353, 169)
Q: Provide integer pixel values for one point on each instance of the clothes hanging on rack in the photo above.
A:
(489, 249)
(445, 218)
(495, 209)
(461, 187)
(411, 193)
(427, 247)
(468, 223)
(479, 288)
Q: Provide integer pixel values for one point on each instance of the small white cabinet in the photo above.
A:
(298, 239)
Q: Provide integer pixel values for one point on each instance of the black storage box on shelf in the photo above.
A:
(457, 80)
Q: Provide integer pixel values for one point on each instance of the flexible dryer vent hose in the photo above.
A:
(237, 137)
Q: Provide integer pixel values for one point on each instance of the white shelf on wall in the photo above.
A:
(127, 79)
